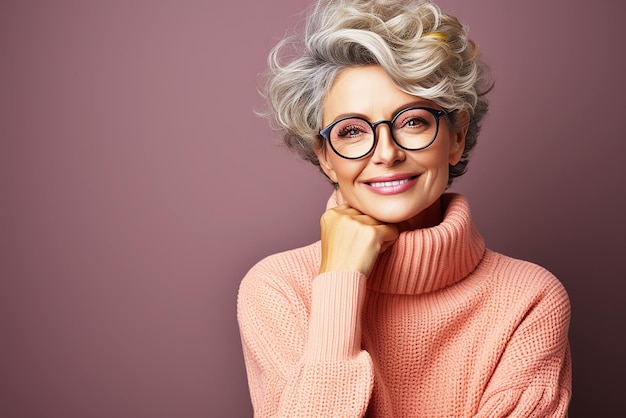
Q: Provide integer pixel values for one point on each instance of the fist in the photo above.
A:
(351, 240)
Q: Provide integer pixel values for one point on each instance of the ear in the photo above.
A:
(325, 162)
(457, 138)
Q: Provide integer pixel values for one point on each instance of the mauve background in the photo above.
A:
(138, 187)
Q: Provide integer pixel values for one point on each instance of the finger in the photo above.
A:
(388, 233)
(346, 209)
(354, 214)
(367, 220)
(389, 236)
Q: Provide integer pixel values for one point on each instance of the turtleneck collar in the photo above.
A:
(428, 259)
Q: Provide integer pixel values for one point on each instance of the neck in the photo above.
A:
(429, 258)
(429, 217)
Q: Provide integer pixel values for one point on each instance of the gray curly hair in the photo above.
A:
(425, 52)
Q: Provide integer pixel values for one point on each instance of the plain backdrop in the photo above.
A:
(137, 187)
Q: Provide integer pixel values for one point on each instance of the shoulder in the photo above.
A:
(287, 273)
(291, 264)
(523, 282)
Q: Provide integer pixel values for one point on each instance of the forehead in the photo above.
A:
(366, 91)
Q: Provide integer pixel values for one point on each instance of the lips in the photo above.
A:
(388, 183)
(391, 184)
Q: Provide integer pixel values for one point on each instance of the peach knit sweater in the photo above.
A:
(442, 328)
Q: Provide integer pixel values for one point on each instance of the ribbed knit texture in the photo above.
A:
(441, 328)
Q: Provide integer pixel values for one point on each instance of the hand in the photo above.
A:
(352, 240)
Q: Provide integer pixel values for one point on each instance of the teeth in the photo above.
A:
(389, 183)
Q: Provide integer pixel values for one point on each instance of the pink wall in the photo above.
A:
(137, 187)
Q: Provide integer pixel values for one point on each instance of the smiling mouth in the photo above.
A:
(392, 183)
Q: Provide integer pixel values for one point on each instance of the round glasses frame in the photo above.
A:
(437, 113)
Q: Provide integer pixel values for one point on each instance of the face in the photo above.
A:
(390, 184)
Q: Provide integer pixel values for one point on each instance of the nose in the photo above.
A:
(386, 152)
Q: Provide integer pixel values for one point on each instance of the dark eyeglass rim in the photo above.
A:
(437, 113)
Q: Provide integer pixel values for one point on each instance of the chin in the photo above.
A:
(391, 218)
(421, 213)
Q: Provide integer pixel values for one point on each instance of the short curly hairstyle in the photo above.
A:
(425, 52)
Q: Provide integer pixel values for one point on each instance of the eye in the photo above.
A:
(414, 120)
(350, 129)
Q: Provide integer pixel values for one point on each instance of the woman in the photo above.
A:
(399, 309)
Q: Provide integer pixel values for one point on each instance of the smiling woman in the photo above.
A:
(399, 309)
(395, 183)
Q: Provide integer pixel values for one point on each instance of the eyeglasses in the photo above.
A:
(412, 129)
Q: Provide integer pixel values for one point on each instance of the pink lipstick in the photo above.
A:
(388, 185)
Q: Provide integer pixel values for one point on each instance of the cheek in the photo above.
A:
(432, 158)
(347, 171)
(443, 152)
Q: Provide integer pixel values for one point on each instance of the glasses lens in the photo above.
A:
(415, 128)
(352, 138)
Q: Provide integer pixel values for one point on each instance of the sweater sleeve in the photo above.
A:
(533, 376)
(302, 363)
